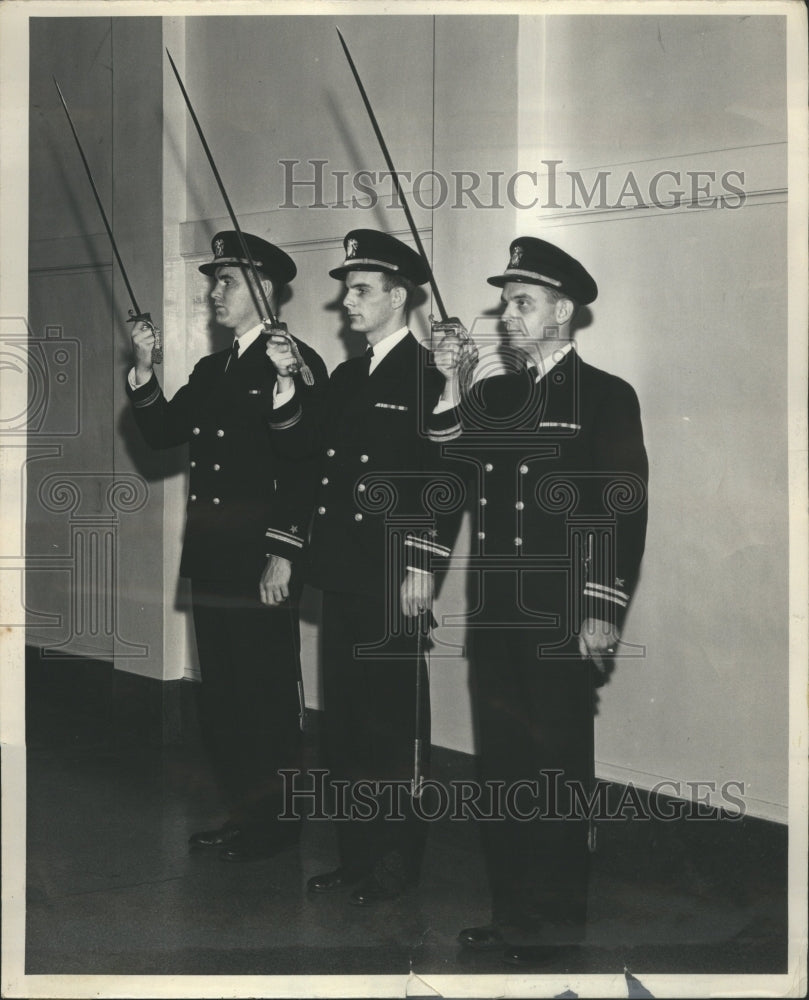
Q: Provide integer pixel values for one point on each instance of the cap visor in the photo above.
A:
(343, 270)
(501, 280)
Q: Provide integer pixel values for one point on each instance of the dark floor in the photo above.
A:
(113, 889)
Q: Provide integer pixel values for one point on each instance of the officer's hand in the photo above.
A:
(448, 355)
(274, 585)
(598, 641)
(416, 593)
(143, 341)
(280, 353)
(455, 352)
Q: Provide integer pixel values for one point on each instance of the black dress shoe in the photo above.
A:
(538, 955)
(255, 848)
(226, 834)
(371, 891)
(340, 878)
(483, 938)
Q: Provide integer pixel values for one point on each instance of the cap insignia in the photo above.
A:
(352, 248)
(516, 257)
(219, 248)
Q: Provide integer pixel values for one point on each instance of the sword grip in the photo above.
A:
(157, 350)
(280, 330)
(469, 352)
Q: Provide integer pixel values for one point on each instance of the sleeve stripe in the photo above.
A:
(420, 543)
(604, 594)
(611, 590)
(286, 424)
(282, 536)
(447, 435)
(418, 569)
(153, 396)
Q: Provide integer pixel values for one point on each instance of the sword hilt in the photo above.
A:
(279, 329)
(469, 352)
(157, 350)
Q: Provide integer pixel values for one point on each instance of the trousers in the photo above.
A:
(248, 700)
(369, 686)
(534, 719)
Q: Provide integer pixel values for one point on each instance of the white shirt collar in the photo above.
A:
(386, 345)
(546, 364)
(248, 339)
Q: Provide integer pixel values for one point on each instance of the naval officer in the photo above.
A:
(556, 449)
(372, 545)
(236, 517)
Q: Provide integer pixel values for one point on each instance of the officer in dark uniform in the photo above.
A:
(372, 541)
(556, 449)
(248, 653)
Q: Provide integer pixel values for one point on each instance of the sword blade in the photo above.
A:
(269, 317)
(242, 242)
(386, 154)
(107, 226)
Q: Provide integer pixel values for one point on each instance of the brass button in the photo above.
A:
(481, 535)
(216, 500)
(216, 467)
(358, 517)
(193, 465)
(488, 467)
(220, 433)
(193, 497)
(330, 452)
(324, 481)
(519, 505)
(363, 458)
(523, 469)
(518, 542)
(195, 430)
(361, 488)
(483, 501)
(321, 510)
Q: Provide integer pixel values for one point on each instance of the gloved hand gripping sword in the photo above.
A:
(278, 331)
(135, 315)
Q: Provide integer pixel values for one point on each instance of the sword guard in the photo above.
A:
(157, 350)
(280, 330)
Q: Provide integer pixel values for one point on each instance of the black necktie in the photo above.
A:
(369, 353)
(233, 357)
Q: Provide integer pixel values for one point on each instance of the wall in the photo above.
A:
(95, 497)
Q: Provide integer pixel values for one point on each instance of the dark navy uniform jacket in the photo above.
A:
(234, 490)
(381, 500)
(559, 474)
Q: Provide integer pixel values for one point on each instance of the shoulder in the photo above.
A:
(211, 362)
(607, 391)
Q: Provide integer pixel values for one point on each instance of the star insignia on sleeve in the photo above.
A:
(433, 533)
(293, 529)
(619, 582)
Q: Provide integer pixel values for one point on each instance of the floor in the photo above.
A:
(113, 889)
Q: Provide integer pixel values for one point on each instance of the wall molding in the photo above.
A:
(774, 812)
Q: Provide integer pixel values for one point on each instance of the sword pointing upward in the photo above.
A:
(274, 328)
(448, 324)
(383, 146)
(135, 315)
